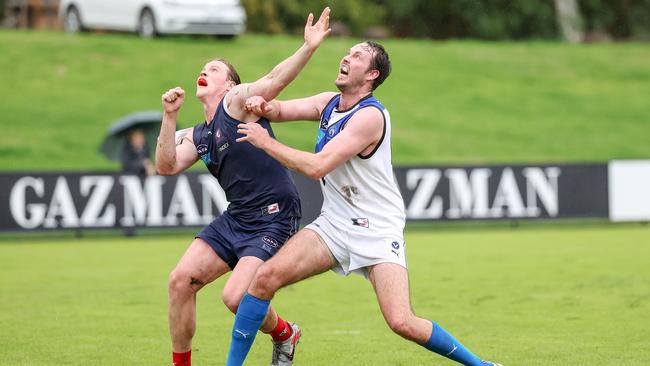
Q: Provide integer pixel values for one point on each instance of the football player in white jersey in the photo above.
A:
(360, 228)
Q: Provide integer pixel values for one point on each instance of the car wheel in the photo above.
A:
(72, 21)
(147, 24)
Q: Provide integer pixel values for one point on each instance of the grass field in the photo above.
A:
(540, 295)
(533, 297)
(451, 102)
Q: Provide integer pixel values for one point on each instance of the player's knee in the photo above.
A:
(266, 281)
(182, 283)
(401, 324)
(231, 300)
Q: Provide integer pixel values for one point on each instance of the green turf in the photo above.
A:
(451, 102)
(534, 297)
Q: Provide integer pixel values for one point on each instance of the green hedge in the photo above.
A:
(443, 19)
(484, 19)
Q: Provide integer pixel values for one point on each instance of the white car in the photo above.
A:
(153, 17)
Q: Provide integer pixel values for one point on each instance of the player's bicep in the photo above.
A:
(186, 155)
(303, 109)
(264, 87)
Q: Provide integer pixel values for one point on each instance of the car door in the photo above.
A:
(124, 13)
(94, 13)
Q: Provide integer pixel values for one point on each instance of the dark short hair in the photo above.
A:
(232, 73)
(380, 62)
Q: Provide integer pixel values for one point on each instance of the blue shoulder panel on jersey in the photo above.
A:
(327, 132)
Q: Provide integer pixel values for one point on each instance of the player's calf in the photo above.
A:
(446, 345)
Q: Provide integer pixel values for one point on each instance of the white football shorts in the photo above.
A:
(355, 248)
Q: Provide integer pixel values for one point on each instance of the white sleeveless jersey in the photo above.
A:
(362, 193)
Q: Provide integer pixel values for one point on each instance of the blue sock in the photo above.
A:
(248, 320)
(446, 345)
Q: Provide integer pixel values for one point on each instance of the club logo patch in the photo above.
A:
(202, 149)
(323, 124)
(331, 131)
(395, 245)
(271, 209)
(270, 241)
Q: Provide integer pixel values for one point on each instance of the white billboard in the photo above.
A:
(629, 190)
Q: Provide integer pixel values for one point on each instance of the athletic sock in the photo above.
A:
(182, 359)
(282, 331)
(248, 320)
(446, 345)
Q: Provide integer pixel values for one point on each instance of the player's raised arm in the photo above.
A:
(363, 132)
(172, 158)
(285, 72)
(303, 109)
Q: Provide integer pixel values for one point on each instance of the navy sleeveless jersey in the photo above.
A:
(258, 188)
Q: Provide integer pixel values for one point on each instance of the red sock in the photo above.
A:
(182, 359)
(282, 331)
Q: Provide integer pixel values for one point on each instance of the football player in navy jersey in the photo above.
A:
(264, 206)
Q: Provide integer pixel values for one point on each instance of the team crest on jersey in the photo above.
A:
(331, 131)
(361, 221)
(323, 123)
(202, 150)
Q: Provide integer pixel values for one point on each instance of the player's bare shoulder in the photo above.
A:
(184, 136)
(369, 119)
(236, 96)
(321, 100)
(235, 101)
(367, 125)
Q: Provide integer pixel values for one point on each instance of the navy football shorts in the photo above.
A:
(231, 240)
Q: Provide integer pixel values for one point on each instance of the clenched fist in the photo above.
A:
(173, 99)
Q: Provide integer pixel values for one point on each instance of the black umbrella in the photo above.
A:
(118, 132)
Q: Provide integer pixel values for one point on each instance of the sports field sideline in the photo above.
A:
(528, 296)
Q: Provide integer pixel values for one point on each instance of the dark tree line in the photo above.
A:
(442, 19)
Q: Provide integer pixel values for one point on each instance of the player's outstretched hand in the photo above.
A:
(258, 106)
(173, 99)
(316, 33)
(254, 133)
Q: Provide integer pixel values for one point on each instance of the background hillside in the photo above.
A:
(451, 102)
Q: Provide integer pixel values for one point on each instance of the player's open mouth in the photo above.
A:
(202, 82)
(344, 69)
